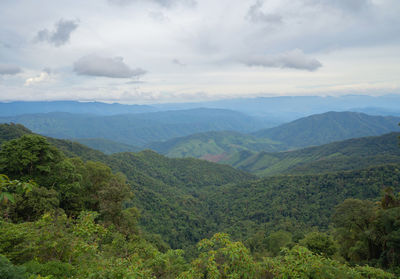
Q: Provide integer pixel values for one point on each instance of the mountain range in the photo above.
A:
(137, 129)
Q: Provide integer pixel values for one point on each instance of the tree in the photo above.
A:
(28, 157)
(222, 258)
(354, 221)
(319, 243)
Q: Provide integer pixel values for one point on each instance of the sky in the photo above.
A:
(156, 51)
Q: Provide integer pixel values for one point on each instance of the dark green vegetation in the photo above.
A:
(136, 129)
(214, 146)
(119, 217)
(328, 127)
(344, 155)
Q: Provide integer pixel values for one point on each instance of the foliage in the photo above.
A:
(299, 262)
(80, 219)
(368, 232)
(9, 271)
(319, 243)
(12, 131)
(222, 258)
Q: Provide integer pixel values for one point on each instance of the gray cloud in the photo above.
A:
(60, 35)
(255, 14)
(177, 62)
(348, 5)
(165, 3)
(8, 69)
(294, 59)
(93, 65)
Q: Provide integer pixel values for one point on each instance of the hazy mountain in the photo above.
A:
(136, 129)
(108, 146)
(288, 108)
(18, 108)
(328, 127)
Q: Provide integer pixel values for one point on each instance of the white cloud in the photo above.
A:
(44, 76)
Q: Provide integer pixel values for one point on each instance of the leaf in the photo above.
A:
(5, 196)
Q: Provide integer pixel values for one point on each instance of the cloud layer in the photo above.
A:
(60, 35)
(223, 48)
(93, 65)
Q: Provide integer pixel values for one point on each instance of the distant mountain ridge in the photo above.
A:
(97, 108)
(278, 109)
(329, 127)
(136, 129)
(288, 108)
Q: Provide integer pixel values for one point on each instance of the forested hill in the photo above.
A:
(214, 146)
(330, 126)
(343, 155)
(137, 129)
(163, 187)
(299, 201)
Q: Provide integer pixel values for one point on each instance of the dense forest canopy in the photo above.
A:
(68, 211)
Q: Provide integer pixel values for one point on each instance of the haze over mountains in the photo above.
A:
(215, 134)
(137, 129)
(277, 109)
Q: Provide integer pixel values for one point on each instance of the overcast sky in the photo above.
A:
(148, 51)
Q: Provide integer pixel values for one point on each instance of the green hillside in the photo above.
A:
(163, 188)
(295, 202)
(214, 146)
(329, 127)
(344, 155)
(108, 146)
(136, 129)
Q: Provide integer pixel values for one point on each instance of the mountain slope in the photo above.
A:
(164, 188)
(344, 155)
(136, 129)
(328, 127)
(214, 146)
(295, 203)
(108, 146)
